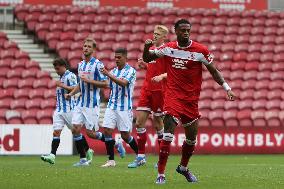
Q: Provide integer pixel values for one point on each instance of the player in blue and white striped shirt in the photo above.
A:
(63, 113)
(86, 111)
(119, 109)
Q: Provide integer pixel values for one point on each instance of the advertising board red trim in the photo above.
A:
(222, 140)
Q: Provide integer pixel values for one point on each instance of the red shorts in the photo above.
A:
(184, 111)
(152, 101)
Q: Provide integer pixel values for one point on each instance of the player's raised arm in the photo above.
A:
(148, 55)
(220, 80)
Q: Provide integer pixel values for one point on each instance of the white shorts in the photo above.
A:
(120, 119)
(86, 116)
(60, 119)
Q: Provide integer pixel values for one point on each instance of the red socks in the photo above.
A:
(163, 155)
(187, 151)
(141, 140)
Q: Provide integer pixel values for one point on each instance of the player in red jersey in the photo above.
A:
(184, 59)
(151, 98)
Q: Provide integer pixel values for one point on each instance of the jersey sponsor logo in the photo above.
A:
(179, 63)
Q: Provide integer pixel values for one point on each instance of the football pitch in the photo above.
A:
(228, 172)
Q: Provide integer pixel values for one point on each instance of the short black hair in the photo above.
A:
(60, 62)
(181, 21)
(121, 50)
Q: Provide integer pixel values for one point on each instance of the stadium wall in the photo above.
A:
(221, 140)
(35, 140)
(32, 140)
(208, 4)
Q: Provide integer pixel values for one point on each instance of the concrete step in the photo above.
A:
(17, 36)
(46, 66)
(54, 75)
(39, 55)
(23, 41)
(33, 51)
(43, 60)
(12, 31)
(50, 70)
(28, 46)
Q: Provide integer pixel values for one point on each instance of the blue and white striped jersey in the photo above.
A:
(121, 97)
(90, 94)
(63, 105)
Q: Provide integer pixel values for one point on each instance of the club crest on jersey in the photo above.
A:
(179, 63)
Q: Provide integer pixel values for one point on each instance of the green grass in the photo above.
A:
(228, 172)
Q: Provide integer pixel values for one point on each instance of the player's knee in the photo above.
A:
(89, 133)
(56, 133)
(190, 142)
(107, 132)
(139, 123)
(76, 130)
(125, 136)
(169, 124)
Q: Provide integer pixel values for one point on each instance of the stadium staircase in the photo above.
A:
(35, 51)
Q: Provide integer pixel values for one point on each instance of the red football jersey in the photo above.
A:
(155, 68)
(184, 69)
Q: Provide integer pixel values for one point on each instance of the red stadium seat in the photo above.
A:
(4, 104)
(48, 104)
(230, 118)
(265, 66)
(21, 11)
(231, 105)
(265, 75)
(88, 10)
(13, 74)
(43, 75)
(216, 118)
(32, 65)
(36, 94)
(17, 105)
(217, 104)
(40, 83)
(21, 94)
(258, 23)
(29, 117)
(51, 84)
(258, 118)
(10, 83)
(25, 84)
(204, 121)
(276, 75)
(72, 20)
(44, 117)
(262, 84)
(276, 85)
(33, 104)
(247, 94)
(244, 118)
(275, 94)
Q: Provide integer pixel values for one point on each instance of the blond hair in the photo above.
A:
(162, 29)
(89, 39)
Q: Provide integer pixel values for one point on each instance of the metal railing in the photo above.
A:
(6, 17)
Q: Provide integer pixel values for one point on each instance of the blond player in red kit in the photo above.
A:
(152, 97)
